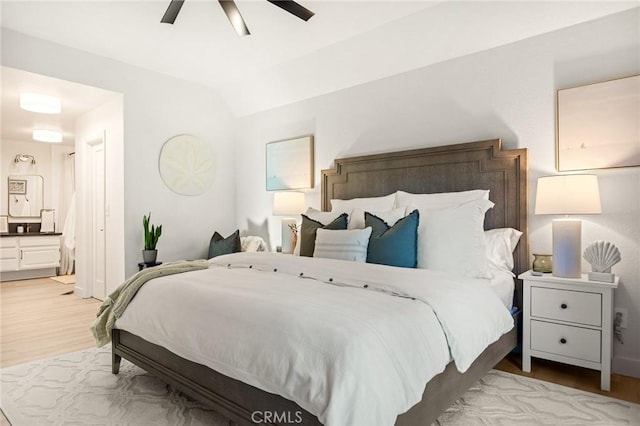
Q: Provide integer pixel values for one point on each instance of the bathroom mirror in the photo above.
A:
(25, 195)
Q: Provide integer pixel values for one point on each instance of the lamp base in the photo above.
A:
(567, 243)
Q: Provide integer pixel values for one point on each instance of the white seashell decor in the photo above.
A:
(602, 255)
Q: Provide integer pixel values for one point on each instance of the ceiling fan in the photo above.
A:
(232, 12)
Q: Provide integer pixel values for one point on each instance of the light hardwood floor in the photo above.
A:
(39, 322)
(622, 387)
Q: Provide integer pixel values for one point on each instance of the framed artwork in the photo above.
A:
(17, 186)
(290, 164)
(598, 125)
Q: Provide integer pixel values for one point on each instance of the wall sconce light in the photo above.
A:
(23, 158)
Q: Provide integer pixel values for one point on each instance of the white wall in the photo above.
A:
(156, 107)
(506, 92)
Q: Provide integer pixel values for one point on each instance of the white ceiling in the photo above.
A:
(77, 99)
(285, 59)
(201, 45)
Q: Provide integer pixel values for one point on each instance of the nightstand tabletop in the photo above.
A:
(583, 280)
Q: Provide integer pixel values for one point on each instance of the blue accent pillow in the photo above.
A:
(395, 245)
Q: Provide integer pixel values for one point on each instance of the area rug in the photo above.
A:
(79, 389)
(65, 279)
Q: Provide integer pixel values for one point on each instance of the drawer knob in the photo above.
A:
(563, 306)
(563, 340)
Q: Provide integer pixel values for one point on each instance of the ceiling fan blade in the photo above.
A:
(232, 12)
(293, 8)
(172, 12)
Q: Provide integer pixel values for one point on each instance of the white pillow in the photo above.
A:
(324, 218)
(344, 244)
(453, 240)
(371, 204)
(356, 217)
(500, 244)
(440, 200)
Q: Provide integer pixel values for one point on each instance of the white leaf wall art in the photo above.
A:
(187, 165)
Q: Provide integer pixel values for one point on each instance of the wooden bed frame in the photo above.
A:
(477, 165)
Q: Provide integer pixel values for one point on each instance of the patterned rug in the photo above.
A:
(79, 389)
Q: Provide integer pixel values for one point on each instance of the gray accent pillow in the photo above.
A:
(220, 245)
(309, 229)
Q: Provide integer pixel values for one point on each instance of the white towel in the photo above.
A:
(69, 231)
(67, 251)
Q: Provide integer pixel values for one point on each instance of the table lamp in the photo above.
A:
(288, 203)
(567, 195)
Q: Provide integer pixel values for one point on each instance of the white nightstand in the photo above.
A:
(568, 320)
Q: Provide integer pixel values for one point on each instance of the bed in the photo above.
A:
(431, 170)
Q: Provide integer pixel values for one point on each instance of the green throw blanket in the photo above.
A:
(115, 304)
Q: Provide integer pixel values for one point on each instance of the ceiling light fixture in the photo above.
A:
(36, 102)
(51, 136)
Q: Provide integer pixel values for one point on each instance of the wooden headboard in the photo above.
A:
(475, 165)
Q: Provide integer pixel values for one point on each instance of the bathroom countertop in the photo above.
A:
(28, 234)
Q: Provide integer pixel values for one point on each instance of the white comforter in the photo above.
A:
(351, 343)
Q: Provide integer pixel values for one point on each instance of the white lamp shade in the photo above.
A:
(568, 194)
(288, 203)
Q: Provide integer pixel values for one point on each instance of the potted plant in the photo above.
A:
(151, 236)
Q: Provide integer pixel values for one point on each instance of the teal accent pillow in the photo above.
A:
(310, 227)
(395, 245)
(220, 245)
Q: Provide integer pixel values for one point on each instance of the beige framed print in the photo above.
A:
(598, 125)
(290, 164)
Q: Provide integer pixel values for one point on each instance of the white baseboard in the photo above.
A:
(626, 366)
(79, 291)
(28, 274)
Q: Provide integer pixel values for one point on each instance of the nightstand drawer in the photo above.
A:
(574, 342)
(565, 305)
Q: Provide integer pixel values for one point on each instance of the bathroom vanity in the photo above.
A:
(24, 256)
(25, 252)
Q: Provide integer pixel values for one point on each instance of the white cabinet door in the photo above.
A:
(9, 254)
(39, 257)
